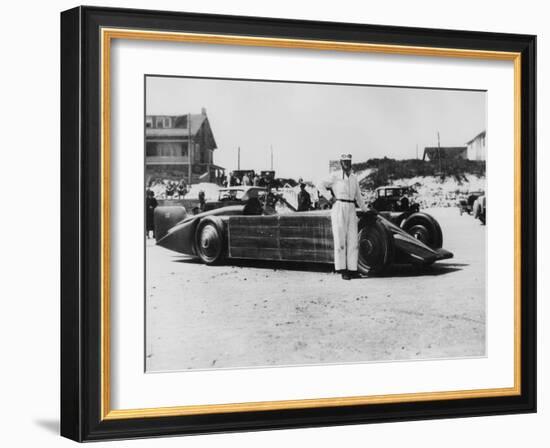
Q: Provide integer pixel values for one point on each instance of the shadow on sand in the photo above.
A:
(265, 264)
(409, 270)
(396, 270)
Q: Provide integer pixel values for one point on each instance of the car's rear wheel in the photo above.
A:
(209, 242)
(376, 248)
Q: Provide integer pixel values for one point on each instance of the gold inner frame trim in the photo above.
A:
(107, 35)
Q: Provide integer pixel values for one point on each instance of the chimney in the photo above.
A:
(203, 111)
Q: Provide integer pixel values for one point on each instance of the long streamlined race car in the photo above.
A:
(245, 232)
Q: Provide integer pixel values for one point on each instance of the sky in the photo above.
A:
(309, 124)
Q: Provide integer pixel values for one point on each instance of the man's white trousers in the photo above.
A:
(344, 230)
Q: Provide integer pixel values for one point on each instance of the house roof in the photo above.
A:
(444, 151)
(447, 150)
(181, 129)
(481, 134)
(196, 122)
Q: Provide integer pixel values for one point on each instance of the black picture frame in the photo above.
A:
(81, 224)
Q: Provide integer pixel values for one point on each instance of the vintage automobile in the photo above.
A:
(245, 232)
(466, 203)
(234, 196)
(239, 174)
(479, 209)
(395, 198)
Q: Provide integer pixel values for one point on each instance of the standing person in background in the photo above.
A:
(170, 189)
(246, 179)
(270, 202)
(304, 199)
(347, 195)
(150, 205)
(202, 201)
(182, 189)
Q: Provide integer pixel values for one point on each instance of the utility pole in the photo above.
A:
(189, 149)
(239, 158)
(439, 151)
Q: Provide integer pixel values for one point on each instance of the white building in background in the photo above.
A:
(477, 147)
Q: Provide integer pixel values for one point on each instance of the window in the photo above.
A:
(166, 149)
(151, 149)
(163, 122)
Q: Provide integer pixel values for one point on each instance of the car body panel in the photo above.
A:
(181, 237)
(300, 236)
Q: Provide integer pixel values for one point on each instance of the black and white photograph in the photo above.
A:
(292, 223)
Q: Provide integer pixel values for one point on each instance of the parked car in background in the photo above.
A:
(466, 202)
(480, 209)
(234, 196)
(238, 176)
(395, 199)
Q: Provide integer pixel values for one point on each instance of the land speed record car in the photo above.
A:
(246, 232)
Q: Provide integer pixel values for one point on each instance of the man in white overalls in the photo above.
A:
(346, 191)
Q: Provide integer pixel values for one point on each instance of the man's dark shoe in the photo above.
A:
(354, 274)
(345, 275)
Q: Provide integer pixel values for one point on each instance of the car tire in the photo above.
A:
(424, 228)
(376, 248)
(210, 241)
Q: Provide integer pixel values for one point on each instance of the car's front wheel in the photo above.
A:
(425, 229)
(209, 242)
(420, 232)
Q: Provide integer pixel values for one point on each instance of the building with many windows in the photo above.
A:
(180, 147)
